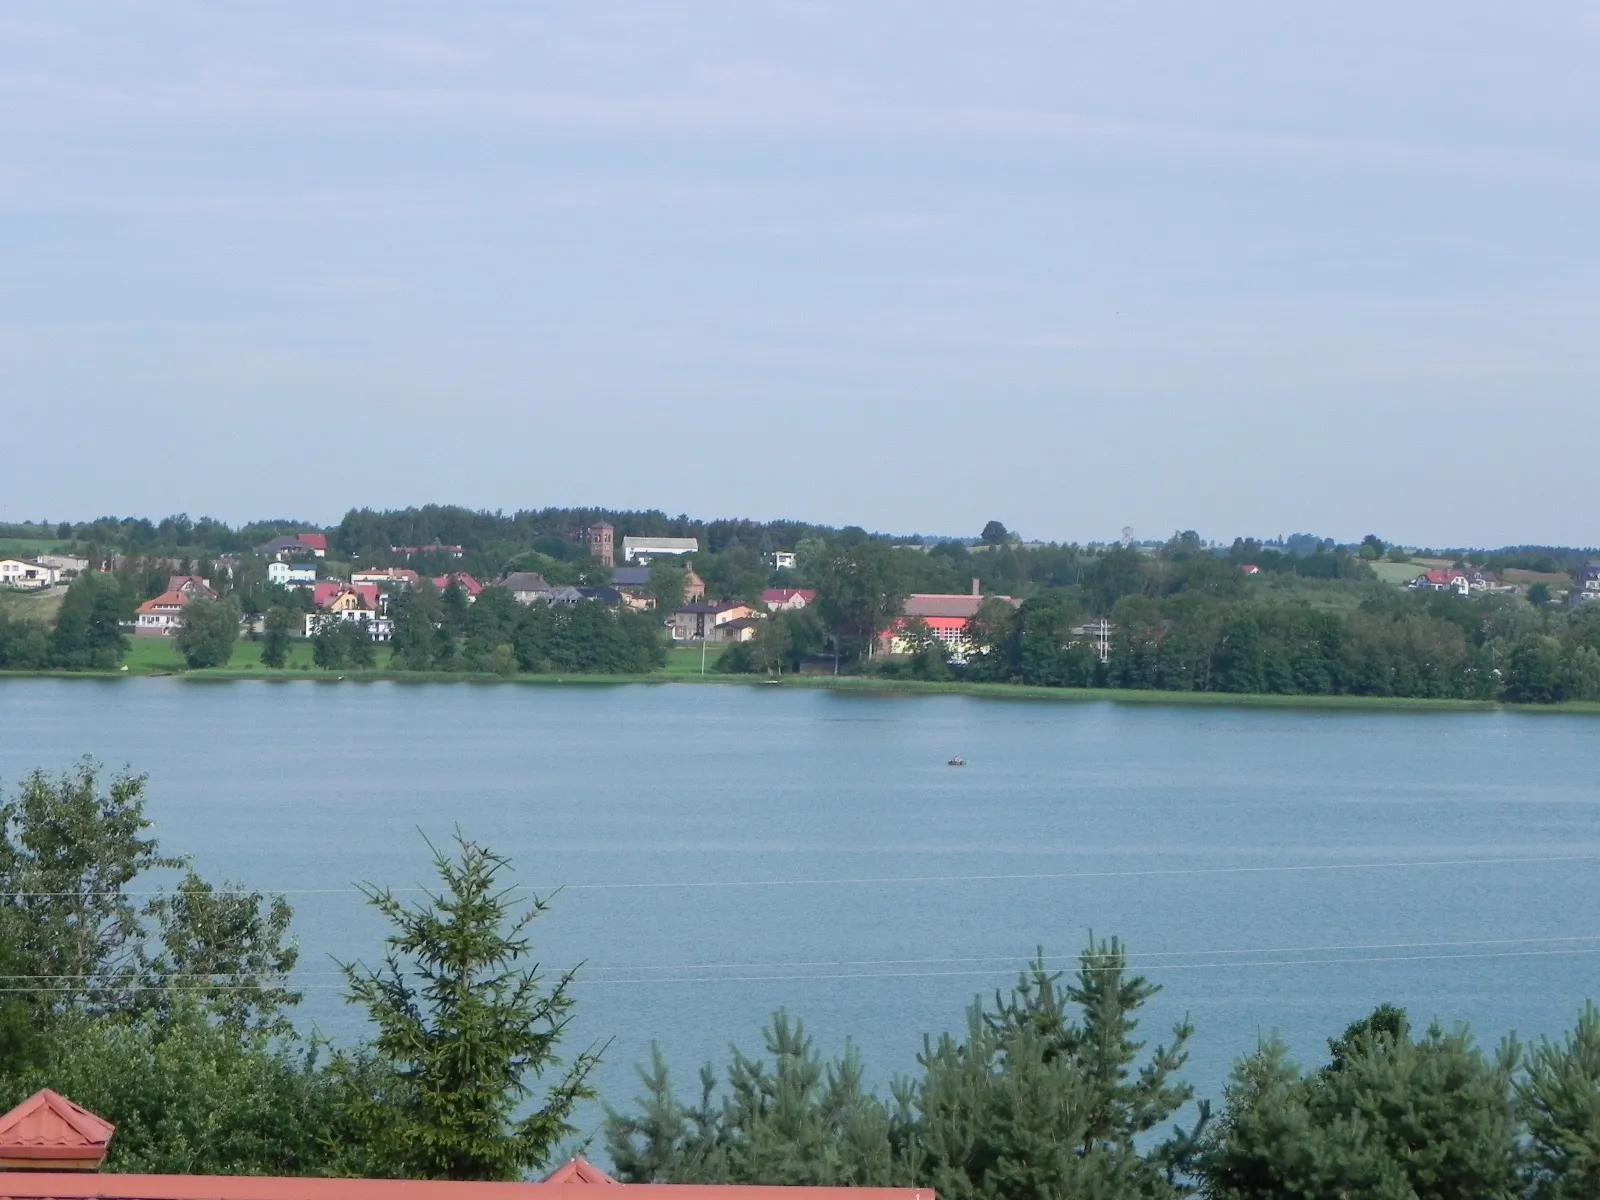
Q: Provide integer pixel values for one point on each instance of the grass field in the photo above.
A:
(31, 606)
(1393, 572)
(683, 662)
(158, 655)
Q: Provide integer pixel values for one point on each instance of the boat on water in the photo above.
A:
(958, 761)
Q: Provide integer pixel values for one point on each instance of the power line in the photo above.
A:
(1020, 877)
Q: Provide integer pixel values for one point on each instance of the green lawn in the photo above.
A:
(1393, 572)
(152, 655)
(685, 660)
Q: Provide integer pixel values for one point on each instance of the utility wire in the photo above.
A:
(1139, 873)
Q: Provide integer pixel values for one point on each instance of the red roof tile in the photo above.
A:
(47, 1128)
(578, 1170)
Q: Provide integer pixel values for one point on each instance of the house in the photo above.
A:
(525, 586)
(161, 616)
(694, 588)
(787, 599)
(192, 586)
(287, 574)
(704, 622)
(610, 597)
(1250, 568)
(314, 544)
(634, 585)
(338, 601)
(68, 566)
(1462, 581)
(26, 574)
(51, 1149)
(782, 560)
(461, 579)
(400, 577)
(741, 629)
(643, 549)
(946, 616)
(1585, 584)
(601, 540)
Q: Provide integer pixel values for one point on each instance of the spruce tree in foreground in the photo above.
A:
(464, 1029)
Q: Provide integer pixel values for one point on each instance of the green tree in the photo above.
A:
(1559, 1101)
(69, 848)
(275, 642)
(330, 649)
(1389, 1117)
(1534, 671)
(667, 586)
(462, 1025)
(88, 633)
(860, 590)
(995, 534)
(207, 632)
(1539, 595)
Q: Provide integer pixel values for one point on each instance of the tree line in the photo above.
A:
(169, 1015)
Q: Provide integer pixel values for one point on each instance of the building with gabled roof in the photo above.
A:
(48, 1132)
(50, 1149)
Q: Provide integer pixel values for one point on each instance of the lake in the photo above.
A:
(729, 850)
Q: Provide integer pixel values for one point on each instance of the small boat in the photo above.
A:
(958, 761)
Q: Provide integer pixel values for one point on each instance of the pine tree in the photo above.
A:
(462, 1024)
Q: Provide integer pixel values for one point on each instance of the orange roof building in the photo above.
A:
(48, 1132)
(50, 1149)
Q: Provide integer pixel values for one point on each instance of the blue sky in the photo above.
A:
(1236, 267)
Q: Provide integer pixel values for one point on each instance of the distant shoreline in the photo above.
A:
(841, 683)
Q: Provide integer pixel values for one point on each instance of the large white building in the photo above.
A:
(643, 549)
(25, 573)
(289, 574)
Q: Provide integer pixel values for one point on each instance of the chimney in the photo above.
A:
(48, 1132)
(976, 590)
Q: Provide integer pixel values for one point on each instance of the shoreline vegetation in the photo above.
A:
(839, 683)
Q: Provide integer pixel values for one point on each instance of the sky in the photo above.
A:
(1238, 267)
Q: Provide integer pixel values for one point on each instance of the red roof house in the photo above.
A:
(48, 1132)
(468, 584)
(50, 1149)
(317, 542)
(784, 599)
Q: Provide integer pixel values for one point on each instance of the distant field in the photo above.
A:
(26, 547)
(1393, 572)
(1553, 578)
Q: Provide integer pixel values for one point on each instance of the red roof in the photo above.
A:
(578, 1170)
(468, 584)
(70, 1185)
(48, 1130)
(317, 541)
(166, 600)
(324, 593)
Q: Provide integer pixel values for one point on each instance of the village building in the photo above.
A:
(361, 602)
(291, 574)
(708, 622)
(526, 586)
(946, 616)
(643, 549)
(67, 566)
(292, 545)
(401, 577)
(27, 574)
(161, 616)
(633, 583)
(461, 579)
(787, 599)
(52, 1149)
(1585, 584)
(782, 560)
(601, 540)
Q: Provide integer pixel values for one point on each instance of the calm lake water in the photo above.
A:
(730, 850)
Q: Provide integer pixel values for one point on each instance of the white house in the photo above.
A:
(643, 549)
(25, 573)
(782, 560)
(291, 574)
